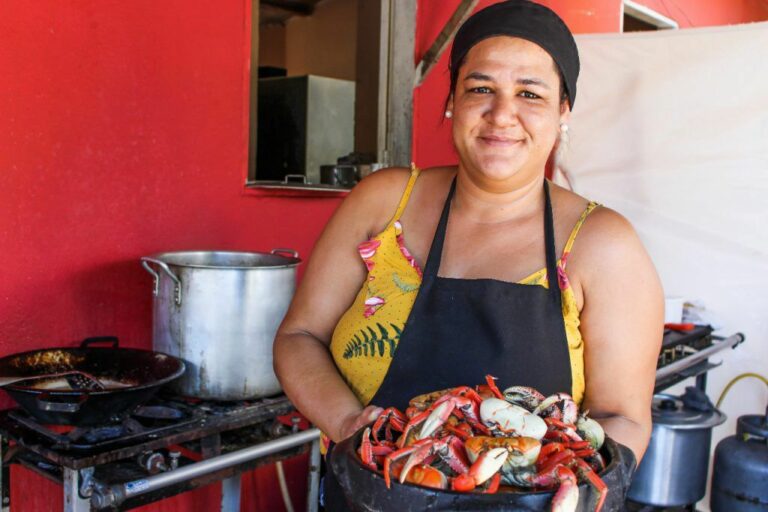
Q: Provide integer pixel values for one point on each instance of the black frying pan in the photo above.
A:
(130, 376)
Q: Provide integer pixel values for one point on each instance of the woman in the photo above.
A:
(493, 297)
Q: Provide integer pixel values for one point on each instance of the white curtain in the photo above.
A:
(670, 128)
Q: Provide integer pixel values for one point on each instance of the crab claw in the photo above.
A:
(523, 396)
(420, 455)
(590, 430)
(559, 406)
(394, 456)
(437, 418)
(486, 466)
(427, 476)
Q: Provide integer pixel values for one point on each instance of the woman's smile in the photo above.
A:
(499, 141)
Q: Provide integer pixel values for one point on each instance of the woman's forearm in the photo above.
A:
(311, 381)
(628, 432)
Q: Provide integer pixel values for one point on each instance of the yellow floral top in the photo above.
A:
(367, 335)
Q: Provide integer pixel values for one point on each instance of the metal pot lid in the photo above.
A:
(669, 411)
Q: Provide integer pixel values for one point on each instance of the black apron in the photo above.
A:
(461, 330)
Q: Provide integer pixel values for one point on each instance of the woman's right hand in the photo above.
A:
(358, 420)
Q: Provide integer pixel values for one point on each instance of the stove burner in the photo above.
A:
(150, 421)
(175, 430)
(162, 422)
(158, 412)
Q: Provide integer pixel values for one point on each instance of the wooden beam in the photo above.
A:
(445, 36)
(399, 81)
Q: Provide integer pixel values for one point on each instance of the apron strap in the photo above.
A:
(549, 243)
(436, 251)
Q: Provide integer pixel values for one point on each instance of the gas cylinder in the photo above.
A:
(740, 475)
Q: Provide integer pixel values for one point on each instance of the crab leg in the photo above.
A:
(392, 418)
(585, 472)
(562, 457)
(366, 449)
(491, 380)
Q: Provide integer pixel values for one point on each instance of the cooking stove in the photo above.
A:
(168, 446)
(174, 444)
(685, 354)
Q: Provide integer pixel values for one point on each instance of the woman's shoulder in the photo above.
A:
(607, 246)
(603, 224)
(605, 236)
(385, 188)
(373, 202)
(607, 229)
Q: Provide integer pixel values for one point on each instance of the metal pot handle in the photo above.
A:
(292, 252)
(87, 342)
(146, 260)
(44, 405)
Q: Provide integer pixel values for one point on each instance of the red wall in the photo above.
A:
(123, 132)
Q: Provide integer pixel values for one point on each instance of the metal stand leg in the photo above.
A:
(72, 500)
(701, 381)
(314, 476)
(230, 494)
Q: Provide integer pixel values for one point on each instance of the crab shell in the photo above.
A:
(511, 419)
(521, 451)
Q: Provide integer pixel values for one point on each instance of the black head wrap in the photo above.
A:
(526, 20)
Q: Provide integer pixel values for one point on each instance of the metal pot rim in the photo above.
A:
(290, 261)
(714, 419)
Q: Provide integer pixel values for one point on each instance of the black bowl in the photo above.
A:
(365, 489)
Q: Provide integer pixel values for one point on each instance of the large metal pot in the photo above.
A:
(219, 311)
(673, 472)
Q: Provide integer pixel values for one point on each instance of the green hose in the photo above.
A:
(737, 379)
